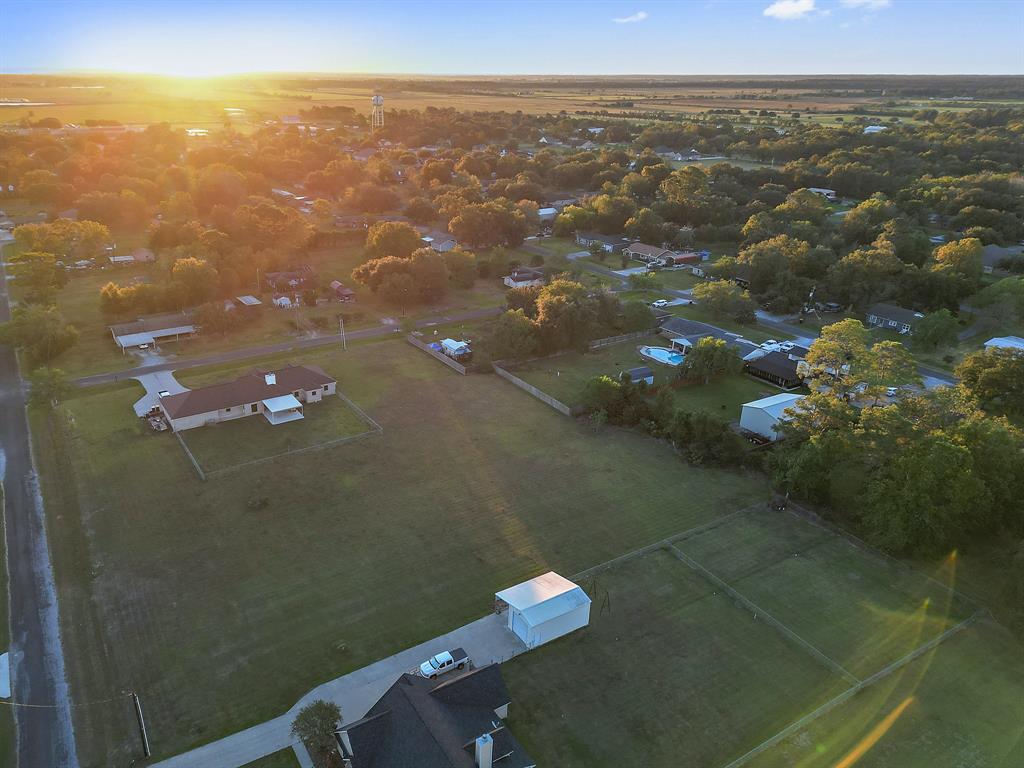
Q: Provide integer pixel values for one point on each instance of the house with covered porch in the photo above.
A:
(280, 396)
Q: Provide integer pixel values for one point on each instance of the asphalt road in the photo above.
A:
(272, 349)
(45, 736)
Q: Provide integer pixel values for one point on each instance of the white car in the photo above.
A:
(891, 391)
(659, 303)
(444, 662)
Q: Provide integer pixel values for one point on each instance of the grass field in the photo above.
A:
(674, 671)
(342, 565)
(564, 377)
(283, 759)
(253, 439)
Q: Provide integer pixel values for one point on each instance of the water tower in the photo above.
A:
(377, 115)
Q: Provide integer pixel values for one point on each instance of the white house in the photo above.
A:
(761, 416)
(547, 215)
(874, 128)
(440, 241)
(278, 395)
(1006, 342)
(521, 278)
(544, 608)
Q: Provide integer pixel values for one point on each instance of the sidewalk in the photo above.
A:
(486, 640)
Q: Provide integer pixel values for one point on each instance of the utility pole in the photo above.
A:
(341, 327)
(142, 724)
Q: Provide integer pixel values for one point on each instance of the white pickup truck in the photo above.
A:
(444, 662)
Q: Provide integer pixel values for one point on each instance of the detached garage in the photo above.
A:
(544, 608)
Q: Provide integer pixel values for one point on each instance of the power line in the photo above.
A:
(58, 706)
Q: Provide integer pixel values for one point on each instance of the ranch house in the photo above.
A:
(278, 395)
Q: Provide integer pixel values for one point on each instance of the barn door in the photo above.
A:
(519, 627)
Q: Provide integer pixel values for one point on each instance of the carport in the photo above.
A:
(544, 608)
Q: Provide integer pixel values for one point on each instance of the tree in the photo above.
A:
(636, 316)
(429, 274)
(398, 288)
(937, 329)
(39, 330)
(962, 257)
(48, 386)
(646, 226)
(566, 315)
(865, 276)
(64, 237)
(725, 299)
(314, 726)
(889, 363)
(392, 238)
(197, 278)
(461, 267)
(322, 210)
(709, 358)
(863, 223)
(421, 210)
(996, 377)
(511, 336)
(909, 242)
(38, 275)
(838, 349)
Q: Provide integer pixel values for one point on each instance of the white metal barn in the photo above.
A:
(761, 416)
(545, 608)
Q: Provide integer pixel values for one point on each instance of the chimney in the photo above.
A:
(484, 750)
(270, 378)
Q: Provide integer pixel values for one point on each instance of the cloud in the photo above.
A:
(638, 16)
(787, 10)
(869, 5)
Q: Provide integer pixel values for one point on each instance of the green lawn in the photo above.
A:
(283, 759)
(959, 705)
(238, 442)
(672, 671)
(564, 377)
(221, 613)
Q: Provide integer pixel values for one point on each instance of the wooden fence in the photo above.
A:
(545, 398)
(458, 367)
(607, 342)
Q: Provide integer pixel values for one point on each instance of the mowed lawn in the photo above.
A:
(672, 671)
(565, 376)
(253, 438)
(221, 613)
(961, 704)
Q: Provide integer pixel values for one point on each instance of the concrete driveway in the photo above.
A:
(156, 382)
(487, 640)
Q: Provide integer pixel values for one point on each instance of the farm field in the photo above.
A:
(334, 564)
(674, 671)
(563, 377)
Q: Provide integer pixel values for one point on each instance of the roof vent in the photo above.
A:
(270, 378)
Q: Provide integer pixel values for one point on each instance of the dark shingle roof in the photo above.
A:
(894, 312)
(153, 323)
(775, 364)
(421, 723)
(693, 331)
(250, 388)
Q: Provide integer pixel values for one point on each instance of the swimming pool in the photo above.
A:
(662, 355)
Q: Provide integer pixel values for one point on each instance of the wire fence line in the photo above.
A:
(374, 429)
(661, 543)
(761, 614)
(831, 704)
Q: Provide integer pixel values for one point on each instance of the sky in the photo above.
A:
(509, 37)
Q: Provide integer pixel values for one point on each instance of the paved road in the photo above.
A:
(45, 736)
(486, 640)
(271, 349)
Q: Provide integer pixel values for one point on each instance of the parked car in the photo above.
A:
(659, 303)
(831, 307)
(891, 391)
(444, 662)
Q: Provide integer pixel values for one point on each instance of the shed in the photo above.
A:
(454, 348)
(545, 608)
(636, 375)
(760, 417)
